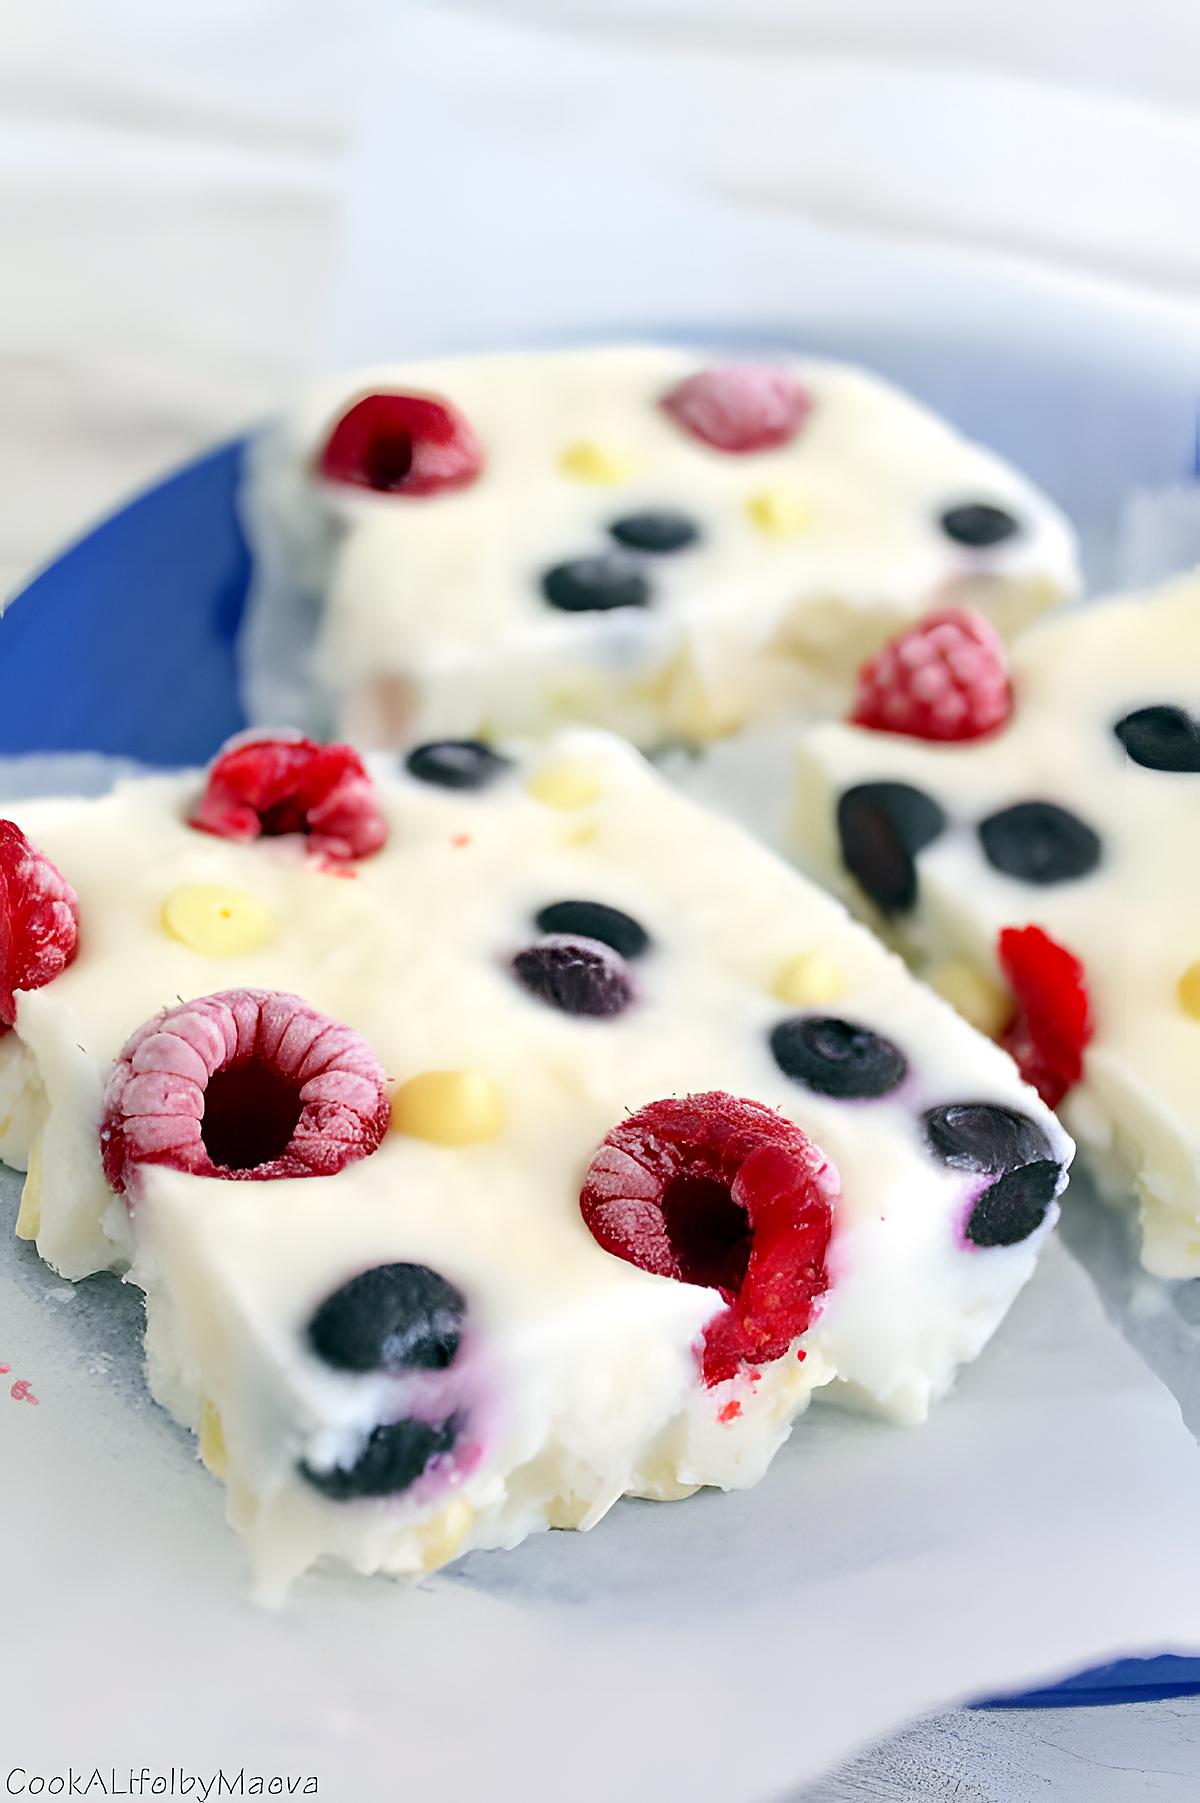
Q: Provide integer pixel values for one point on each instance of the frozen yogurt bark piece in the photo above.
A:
(631, 537)
(1044, 872)
(494, 1138)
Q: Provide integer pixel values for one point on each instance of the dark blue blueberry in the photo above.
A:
(1039, 842)
(882, 826)
(1015, 1206)
(657, 532)
(456, 764)
(983, 1136)
(1162, 738)
(392, 1460)
(595, 920)
(595, 585)
(837, 1057)
(391, 1318)
(979, 524)
(580, 976)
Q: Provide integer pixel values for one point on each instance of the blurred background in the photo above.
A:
(201, 200)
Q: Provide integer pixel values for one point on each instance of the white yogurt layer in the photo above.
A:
(807, 556)
(1133, 920)
(577, 1378)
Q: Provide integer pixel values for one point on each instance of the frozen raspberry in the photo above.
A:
(745, 407)
(946, 679)
(39, 919)
(714, 1190)
(1052, 1024)
(252, 1083)
(286, 784)
(402, 444)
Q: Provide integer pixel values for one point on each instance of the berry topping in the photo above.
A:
(983, 1136)
(595, 585)
(979, 524)
(1162, 738)
(745, 407)
(220, 922)
(269, 787)
(658, 533)
(251, 1083)
(882, 826)
(1052, 1024)
(402, 444)
(946, 679)
(725, 1193)
(1039, 842)
(39, 919)
(392, 1460)
(837, 1058)
(1187, 990)
(449, 1108)
(391, 1318)
(580, 976)
(456, 764)
(595, 920)
(1014, 1206)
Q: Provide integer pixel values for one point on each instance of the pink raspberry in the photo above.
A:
(252, 1083)
(745, 407)
(285, 784)
(1052, 1026)
(715, 1190)
(947, 678)
(402, 444)
(39, 920)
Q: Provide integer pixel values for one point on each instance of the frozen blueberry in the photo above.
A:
(979, 524)
(392, 1460)
(595, 585)
(580, 976)
(1039, 842)
(1014, 1206)
(882, 826)
(983, 1136)
(595, 920)
(456, 764)
(658, 532)
(390, 1318)
(1162, 738)
(837, 1057)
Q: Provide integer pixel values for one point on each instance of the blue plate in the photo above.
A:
(126, 645)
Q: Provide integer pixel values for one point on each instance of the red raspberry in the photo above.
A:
(947, 678)
(746, 407)
(718, 1191)
(252, 1083)
(271, 786)
(1052, 1025)
(39, 919)
(402, 444)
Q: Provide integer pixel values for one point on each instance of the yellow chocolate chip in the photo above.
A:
(1189, 990)
(983, 1003)
(29, 1215)
(450, 1108)
(444, 1535)
(809, 979)
(212, 1440)
(217, 921)
(779, 512)
(565, 785)
(591, 462)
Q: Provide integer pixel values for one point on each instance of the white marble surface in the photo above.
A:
(170, 205)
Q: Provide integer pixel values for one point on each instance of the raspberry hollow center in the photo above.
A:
(250, 1115)
(708, 1232)
(387, 460)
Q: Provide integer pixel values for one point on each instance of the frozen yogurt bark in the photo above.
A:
(628, 537)
(1040, 865)
(492, 1137)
